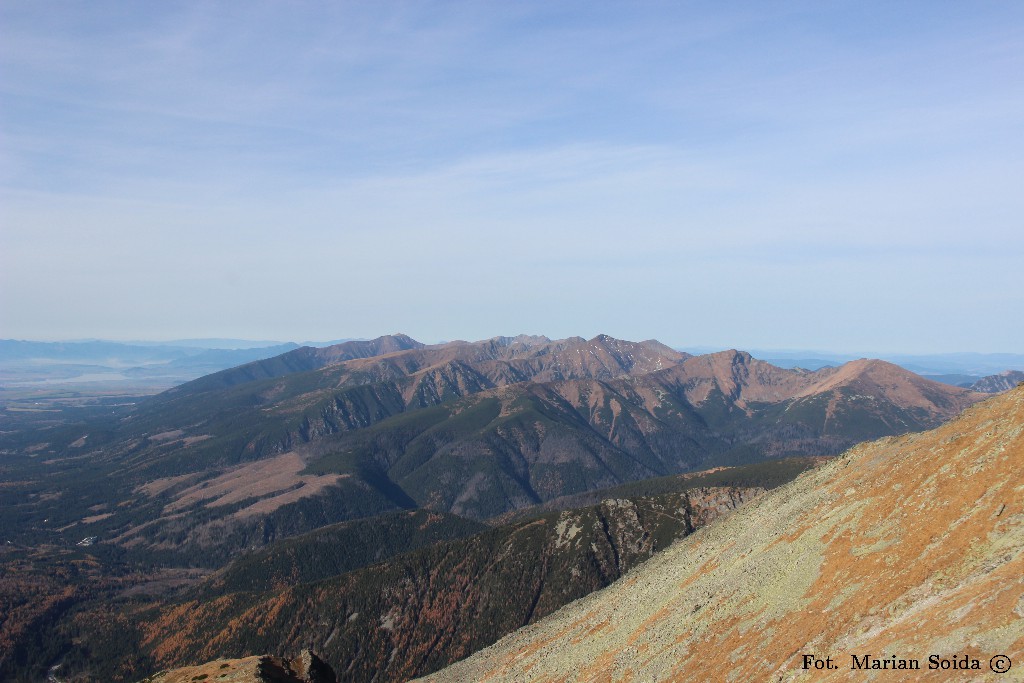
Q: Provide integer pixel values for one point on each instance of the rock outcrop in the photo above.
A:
(306, 668)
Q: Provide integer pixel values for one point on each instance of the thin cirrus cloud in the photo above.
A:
(538, 167)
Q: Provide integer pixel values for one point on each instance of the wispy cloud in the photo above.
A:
(459, 169)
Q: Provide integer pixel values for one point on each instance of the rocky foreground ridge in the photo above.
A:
(901, 549)
(306, 668)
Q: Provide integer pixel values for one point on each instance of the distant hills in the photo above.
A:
(903, 549)
(28, 368)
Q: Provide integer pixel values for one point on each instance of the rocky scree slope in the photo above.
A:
(906, 546)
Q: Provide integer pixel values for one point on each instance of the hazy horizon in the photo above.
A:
(802, 176)
(235, 343)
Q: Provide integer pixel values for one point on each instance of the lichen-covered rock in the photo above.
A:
(311, 669)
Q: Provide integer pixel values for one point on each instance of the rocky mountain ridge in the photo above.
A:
(994, 384)
(903, 548)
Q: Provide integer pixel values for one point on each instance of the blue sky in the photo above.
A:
(832, 175)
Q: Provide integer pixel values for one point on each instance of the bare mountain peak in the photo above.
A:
(746, 380)
(737, 375)
(520, 341)
(740, 357)
(530, 339)
(874, 371)
(367, 348)
(396, 341)
(657, 346)
(404, 338)
(728, 360)
(302, 359)
(731, 356)
(872, 364)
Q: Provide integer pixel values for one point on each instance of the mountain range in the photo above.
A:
(393, 449)
(82, 369)
(316, 436)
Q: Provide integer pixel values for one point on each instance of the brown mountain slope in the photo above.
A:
(796, 411)
(739, 376)
(891, 382)
(748, 382)
(299, 360)
(906, 547)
